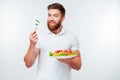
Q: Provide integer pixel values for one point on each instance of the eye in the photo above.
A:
(49, 15)
(55, 15)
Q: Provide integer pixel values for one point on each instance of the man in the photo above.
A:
(54, 38)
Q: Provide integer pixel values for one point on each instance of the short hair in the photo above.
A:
(57, 6)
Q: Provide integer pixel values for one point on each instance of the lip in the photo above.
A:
(51, 23)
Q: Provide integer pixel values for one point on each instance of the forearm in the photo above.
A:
(30, 56)
(75, 64)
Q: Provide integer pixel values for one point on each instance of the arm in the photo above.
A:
(74, 62)
(32, 51)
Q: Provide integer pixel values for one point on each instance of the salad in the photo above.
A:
(57, 53)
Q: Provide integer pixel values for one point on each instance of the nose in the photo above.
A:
(51, 18)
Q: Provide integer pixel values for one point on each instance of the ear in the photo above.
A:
(63, 18)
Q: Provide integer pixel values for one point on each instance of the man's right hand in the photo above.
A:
(33, 38)
(32, 52)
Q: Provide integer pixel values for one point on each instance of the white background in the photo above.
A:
(95, 22)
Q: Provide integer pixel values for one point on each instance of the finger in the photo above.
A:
(33, 32)
(61, 60)
(34, 35)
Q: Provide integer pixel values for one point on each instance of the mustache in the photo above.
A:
(51, 21)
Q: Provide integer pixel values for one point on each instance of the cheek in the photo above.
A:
(48, 21)
(57, 20)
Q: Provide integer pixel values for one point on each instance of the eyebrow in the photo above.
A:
(54, 14)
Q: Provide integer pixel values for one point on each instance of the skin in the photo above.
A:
(54, 22)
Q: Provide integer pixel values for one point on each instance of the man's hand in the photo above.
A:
(74, 62)
(65, 60)
(33, 38)
(32, 52)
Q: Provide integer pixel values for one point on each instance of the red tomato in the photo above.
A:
(64, 51)
(60, 50)
(57, 51)
(69, 51)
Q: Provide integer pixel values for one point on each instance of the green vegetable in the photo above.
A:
(37, 22)
(50, 53)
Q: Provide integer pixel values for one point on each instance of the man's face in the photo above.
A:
(54, 19)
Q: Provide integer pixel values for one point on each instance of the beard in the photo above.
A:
(53, 27)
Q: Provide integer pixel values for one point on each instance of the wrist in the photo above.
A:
(32, 45)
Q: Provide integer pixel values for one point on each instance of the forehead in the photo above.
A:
(54, 11)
